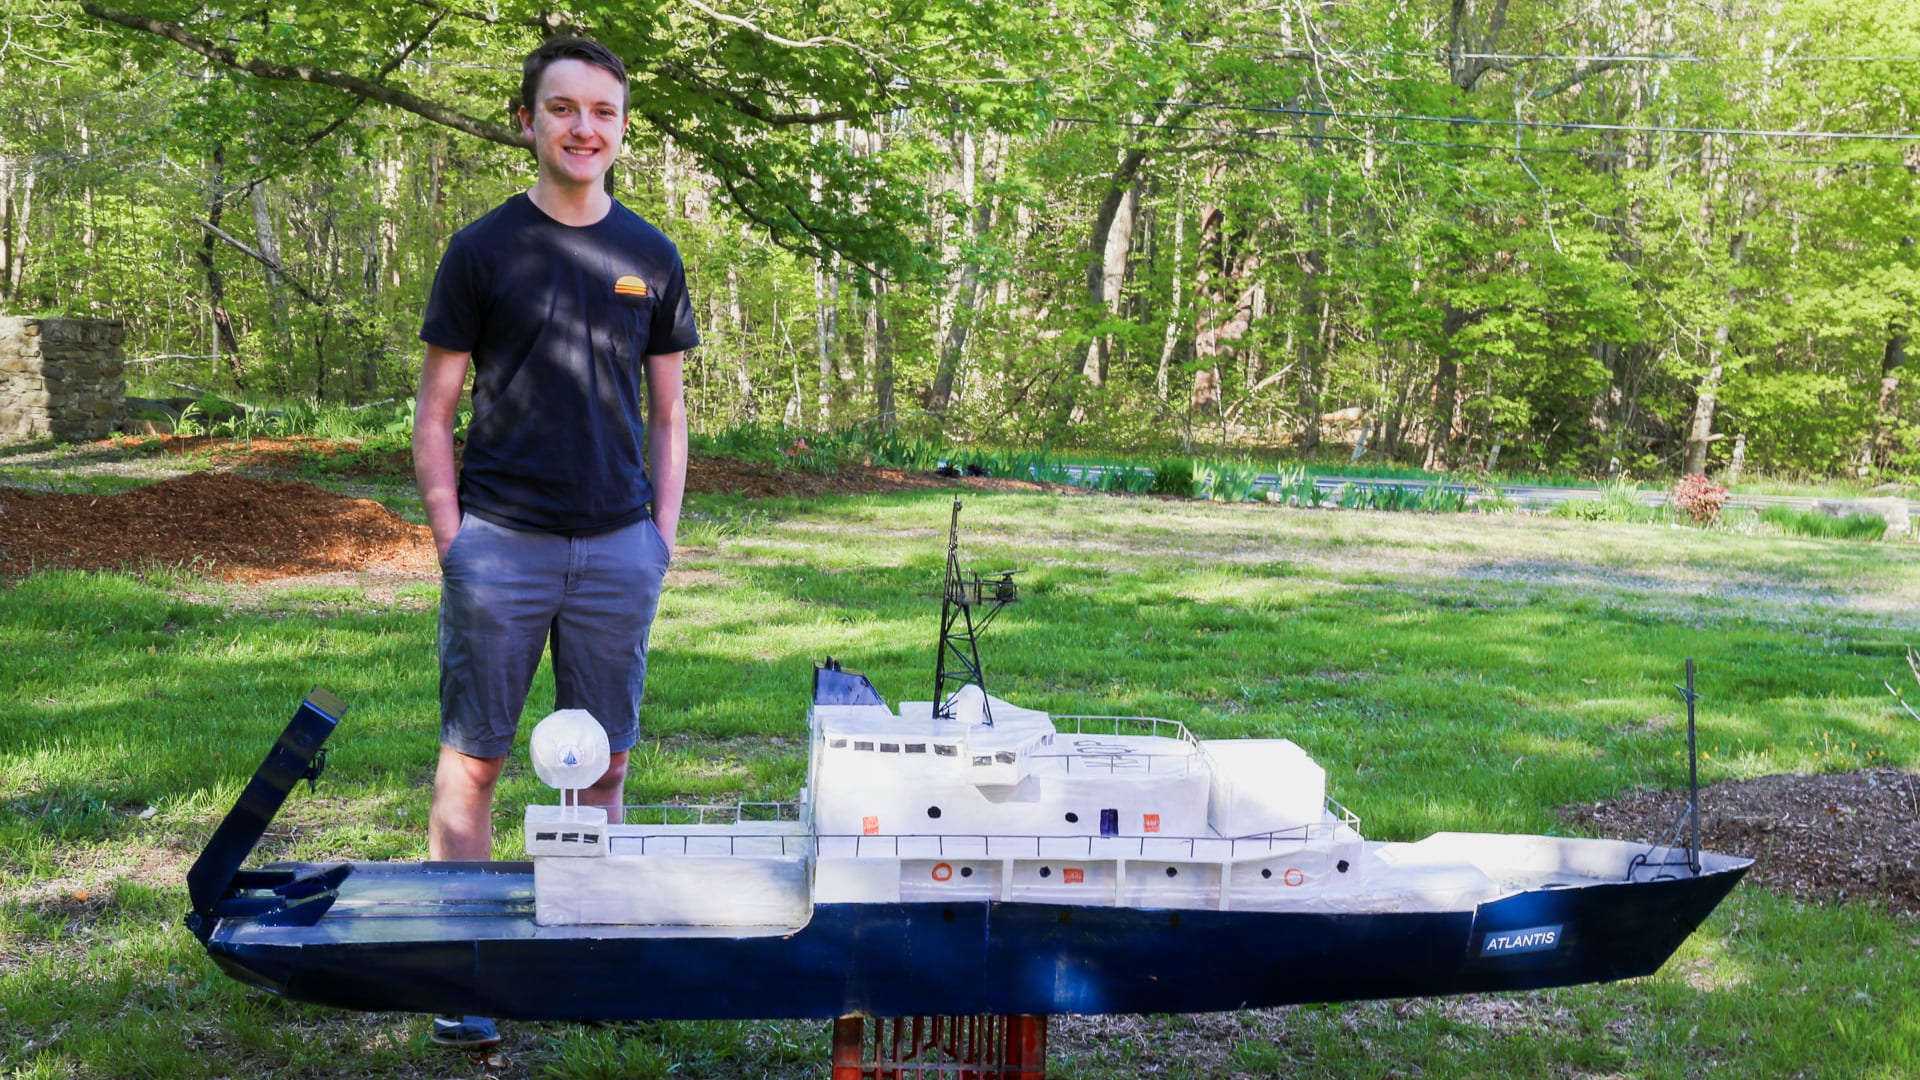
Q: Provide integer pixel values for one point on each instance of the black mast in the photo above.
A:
(958, 660)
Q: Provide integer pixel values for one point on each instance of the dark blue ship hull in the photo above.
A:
(482, 953)
(462, 938)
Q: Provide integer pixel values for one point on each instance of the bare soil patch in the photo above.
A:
(1821, 839)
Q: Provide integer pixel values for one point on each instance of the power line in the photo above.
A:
(1378, 140)
(1662, 58)
(1564, 125)
(1440, 52)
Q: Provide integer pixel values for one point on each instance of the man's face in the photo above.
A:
(575, 122)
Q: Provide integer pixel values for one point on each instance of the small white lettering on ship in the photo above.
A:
(1531, 939)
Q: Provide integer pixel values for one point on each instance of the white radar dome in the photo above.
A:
(569, 750)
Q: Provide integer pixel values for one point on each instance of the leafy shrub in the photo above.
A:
(1808, 523)
(1296, 487)
(1584, 510)
(1174, 476)
(1443, 496)
(1699, 499)
(1130, 479)
(1618, 501)
(1225, 481)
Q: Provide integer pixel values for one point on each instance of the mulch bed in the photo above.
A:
(218, 524)
(1820, 838)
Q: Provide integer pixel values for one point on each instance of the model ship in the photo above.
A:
(956, 856)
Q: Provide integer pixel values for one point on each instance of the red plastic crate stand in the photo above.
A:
(947, 1047)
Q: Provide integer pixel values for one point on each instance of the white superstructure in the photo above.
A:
(989, 802)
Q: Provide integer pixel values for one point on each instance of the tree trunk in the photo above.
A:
(1706, 399)
(223, 338)
(1316, 312)
(737, 345)
(826, 313)
(1223, 310)
(1119, 194)
(1446, 394)
(1104, 292)
(954, 317)
(1892, 359)
(1700, 430)
(1170, 343)
(267, 239)
(16, 206)
(879, 354)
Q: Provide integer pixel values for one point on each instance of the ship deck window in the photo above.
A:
(889, 747)
(1004, 757)
(983, 759)
(837, 744)
(916, 748)
(944, 750)
(863, 746)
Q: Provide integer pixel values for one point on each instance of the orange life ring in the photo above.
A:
(1293, 877)
(942, 871)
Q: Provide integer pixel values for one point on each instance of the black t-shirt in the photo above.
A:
(560, 320)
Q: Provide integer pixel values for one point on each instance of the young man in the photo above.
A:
(569, 309)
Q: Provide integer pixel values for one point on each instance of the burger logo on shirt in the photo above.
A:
(629, 286)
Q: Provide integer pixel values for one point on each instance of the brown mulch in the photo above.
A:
(1818, 838)
(218, 524)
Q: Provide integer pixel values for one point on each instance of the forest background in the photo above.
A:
(1644, 237)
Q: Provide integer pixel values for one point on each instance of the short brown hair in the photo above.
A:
(569, 48)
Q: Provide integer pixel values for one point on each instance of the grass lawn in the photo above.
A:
(1451, 672)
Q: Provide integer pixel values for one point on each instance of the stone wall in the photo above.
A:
(61, 378)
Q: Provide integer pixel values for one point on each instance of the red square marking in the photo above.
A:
(1150, 823)
(1072, 876)
(870, 825)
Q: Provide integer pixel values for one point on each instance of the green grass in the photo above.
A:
(1807, 523)
(1450, 672)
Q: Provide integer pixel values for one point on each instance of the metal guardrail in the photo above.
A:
(961, 845)
(1153, 726)
(711, 813)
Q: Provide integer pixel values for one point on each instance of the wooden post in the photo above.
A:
(849, 1039)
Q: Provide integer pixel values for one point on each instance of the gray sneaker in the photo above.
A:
(465, 1032)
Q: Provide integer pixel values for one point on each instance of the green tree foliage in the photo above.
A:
(1583, 236)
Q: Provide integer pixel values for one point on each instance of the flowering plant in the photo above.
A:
(1699, 498)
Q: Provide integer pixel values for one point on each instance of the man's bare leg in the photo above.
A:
(611, 789)
(460, 824)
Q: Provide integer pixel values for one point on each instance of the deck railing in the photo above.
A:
(937, 845)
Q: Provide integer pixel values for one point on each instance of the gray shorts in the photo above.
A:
(505, 593)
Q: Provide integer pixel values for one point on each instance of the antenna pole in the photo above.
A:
(959, 594)
(1693, 773)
